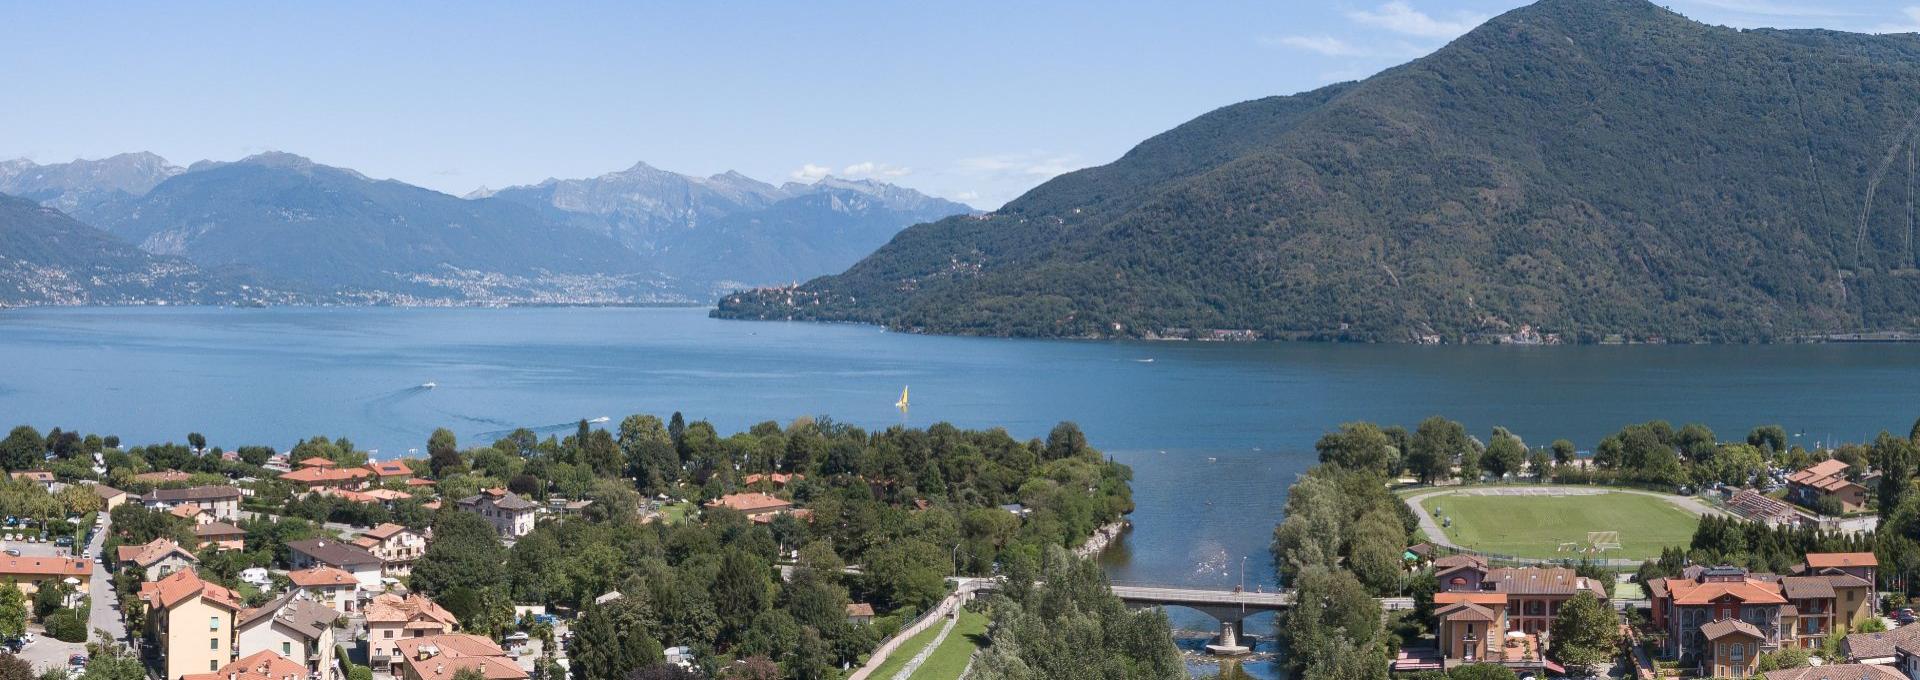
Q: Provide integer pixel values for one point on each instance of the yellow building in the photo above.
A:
(29, 572)
(190, 622)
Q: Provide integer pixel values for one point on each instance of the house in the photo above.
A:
(347, 495)
(191, 513)
(392, 618)
(347, 557)
(1906, 657)
(256, 666)
(163, 477)
(397, 547)
(390, 470)
(322, 477)
(1852, 576)
(1845, 671)
(566, 508)
(332, 587)
(29, 571)
(386, 497)
(190, 623)
(316, 462)
(42, 477)
(510, 515)
(1733, 648)
(1827, 479)
(859, 613)
(1494, 615)
(439, 657)
(110, 497)
(299, 629)
(1812, 598)
(753, 504)
(220, 535)
(777, 480)
(1880, 648)
(156, 560)
(220, 503)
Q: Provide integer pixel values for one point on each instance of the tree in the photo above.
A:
(1563, 452)
(443, 454)
(197, 441)
(67, 626)
(909, 572)
(1585, 633)
(1065, 441)
(1358, 446)
(1436, 444)
(1482, 671)
(465, 555)
(1504, 455)
(15, 668)
(22, 449)
(1784, 659)
(1773, 438)
(1896, 460)
(1337, 619)
(659, 671)
(1538, 462)
(742, 590)
(13, 611)
(612, 641)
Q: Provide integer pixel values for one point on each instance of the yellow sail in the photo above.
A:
(902, 404)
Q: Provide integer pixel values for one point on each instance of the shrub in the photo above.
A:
(66, 626)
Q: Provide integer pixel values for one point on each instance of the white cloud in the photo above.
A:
(1318, 44)
(872, 170)
(863, 170)
(811, 173)
(1401, 17)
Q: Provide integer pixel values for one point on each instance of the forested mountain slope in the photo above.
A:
(47, 258)
(1590, 168)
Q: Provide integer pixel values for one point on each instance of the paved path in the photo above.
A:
(961, 593)
(1438, 536)
(953, 619)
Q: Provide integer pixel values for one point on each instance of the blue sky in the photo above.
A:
(976, 101)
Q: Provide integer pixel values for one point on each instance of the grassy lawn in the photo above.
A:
(1535, 526)
(947, 660)
(905, 652)
(674, 513)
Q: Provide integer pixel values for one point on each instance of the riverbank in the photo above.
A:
(1101, 538)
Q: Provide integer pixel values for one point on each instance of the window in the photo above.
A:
(389, 635)
(213, 643)
(1738, 653)
(286, 648)
(213, 623)
(213, 666)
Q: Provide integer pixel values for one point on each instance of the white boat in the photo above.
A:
(428, 385)
(601, 419)
(1147, 360)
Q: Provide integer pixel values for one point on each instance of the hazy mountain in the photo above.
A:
(1588, 167)
(337, 232)
(716, 233)
(48, 258)
(84, 184)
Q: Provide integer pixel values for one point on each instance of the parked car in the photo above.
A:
(517, 638)
(13, 552)
(1904, 616)
(77, 660)
(65, 541)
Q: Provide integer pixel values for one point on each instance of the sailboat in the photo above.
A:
(902, 404)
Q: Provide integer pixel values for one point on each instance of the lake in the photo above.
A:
(1214, 432)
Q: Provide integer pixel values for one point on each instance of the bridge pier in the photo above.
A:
(1228, 644)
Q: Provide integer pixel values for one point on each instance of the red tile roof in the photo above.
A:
(318, 462)
(1749, 591)
(181, 585)
(321, 576)
(1841, 560)
(264, 665)
(749, 502)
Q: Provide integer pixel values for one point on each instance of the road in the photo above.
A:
(46, 652)
(105, 614)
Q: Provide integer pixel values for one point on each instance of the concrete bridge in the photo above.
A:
(1229, 607)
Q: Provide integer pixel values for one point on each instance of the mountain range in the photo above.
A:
(1589, 169)
(334, 235)
(47, 257)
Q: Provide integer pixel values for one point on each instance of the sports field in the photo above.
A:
(1561, 526)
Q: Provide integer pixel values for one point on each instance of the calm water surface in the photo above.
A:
(1215, 432)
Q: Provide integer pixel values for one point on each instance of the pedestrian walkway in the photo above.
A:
(953, 619)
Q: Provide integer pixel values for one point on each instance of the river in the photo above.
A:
(1214, 432)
